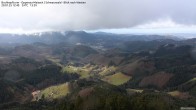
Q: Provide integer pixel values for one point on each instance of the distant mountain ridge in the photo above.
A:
(74, 37)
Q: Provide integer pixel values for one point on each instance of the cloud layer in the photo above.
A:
(99, 14)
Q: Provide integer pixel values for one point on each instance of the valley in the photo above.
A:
(80, 70)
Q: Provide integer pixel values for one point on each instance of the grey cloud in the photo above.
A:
(99, 14)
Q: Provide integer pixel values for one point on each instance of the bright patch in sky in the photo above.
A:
(162, 23)
(161, 26)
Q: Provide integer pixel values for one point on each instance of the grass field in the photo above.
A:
(55, 92)
(178, 94)
(135, 90)
(54, 60)
(107, 70)
(82, 71)
(190, 81)
(194, 79)
(174, 93)
(117, 79)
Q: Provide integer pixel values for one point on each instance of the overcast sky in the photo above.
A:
(103, 15)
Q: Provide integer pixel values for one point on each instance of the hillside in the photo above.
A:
(153, 73)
